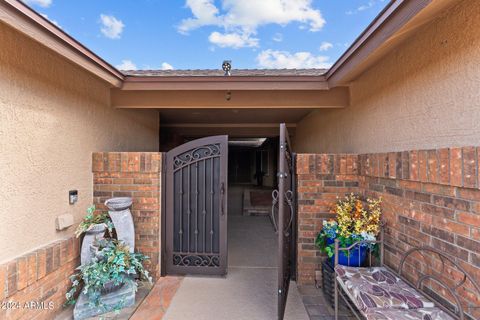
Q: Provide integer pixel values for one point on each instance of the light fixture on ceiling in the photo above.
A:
(247, 142)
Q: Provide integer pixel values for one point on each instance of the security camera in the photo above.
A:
(227, 67)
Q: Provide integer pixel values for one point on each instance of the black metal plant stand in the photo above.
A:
(328, 284)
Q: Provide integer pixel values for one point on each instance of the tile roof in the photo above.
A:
(221, 73)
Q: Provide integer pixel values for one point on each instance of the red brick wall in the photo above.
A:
(43, 275)
(136, 175)
(321, 179)
(430, 197)
(39, 276)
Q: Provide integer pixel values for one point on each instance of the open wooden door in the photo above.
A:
(285, 222)
(196, 207)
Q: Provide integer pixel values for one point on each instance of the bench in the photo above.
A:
(380, 293)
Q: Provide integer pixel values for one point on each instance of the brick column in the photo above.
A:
(321, 179)
(136, 175)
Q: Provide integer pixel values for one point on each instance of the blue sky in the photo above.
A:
(200, 34)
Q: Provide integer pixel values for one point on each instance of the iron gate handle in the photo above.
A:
(222, 200)
(289, 200)
(272, 213)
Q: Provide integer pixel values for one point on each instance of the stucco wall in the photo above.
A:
(425, 94)
(53, 115)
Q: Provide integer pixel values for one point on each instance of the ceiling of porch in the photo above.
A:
(236, 122)
(230, 116)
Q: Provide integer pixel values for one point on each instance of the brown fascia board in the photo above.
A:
(23, 18)
(225, 83)
(390, 20)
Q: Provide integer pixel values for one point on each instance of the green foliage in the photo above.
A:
(92, 219)
(113, 263)
(321, 242)
(329, 249)
(329, 231)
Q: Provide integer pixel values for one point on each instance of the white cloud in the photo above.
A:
(126, 65)
(111, 27)
(324, 46)
(363, 7)
(166, 66)
(243, 17)
(205, 13)
(277, 37)
(51, 20)
(272, 59)
(232, 40)
(40, 3)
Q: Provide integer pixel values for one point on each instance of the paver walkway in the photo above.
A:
(158, 300)
(249, 290)
(318, 308)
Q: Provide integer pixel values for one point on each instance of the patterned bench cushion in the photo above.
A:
(379, 288)
(412, 314)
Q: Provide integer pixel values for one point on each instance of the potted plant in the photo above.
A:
(94, 222)
(94, 226)
(355, 222)
(112, 267)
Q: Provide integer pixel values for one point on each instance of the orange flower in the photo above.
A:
(358, 205)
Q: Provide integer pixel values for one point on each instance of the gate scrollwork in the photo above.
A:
(288, 201)
(196, 154)
(196, 260)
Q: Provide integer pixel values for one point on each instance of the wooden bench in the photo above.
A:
(375, 293)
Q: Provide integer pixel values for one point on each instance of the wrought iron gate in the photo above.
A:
(285, 220)
(196, 207)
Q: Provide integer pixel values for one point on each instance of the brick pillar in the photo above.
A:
(321, 179)
(136, 175)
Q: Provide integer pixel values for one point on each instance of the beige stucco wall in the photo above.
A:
(53, 115)
(425, 94)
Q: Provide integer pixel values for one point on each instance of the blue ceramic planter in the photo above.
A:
(358, 255)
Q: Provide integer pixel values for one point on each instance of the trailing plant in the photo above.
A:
(355, 222)
(113, 266)
(92, 219)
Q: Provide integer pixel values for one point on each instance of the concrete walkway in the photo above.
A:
(249, 290)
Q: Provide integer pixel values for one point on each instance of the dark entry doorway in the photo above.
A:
(196, 207)
(196, 188)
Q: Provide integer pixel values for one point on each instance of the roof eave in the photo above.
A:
(390, 20)
(396, 15)
(23, 18)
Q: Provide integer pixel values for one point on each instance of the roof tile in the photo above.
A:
(221, 73)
